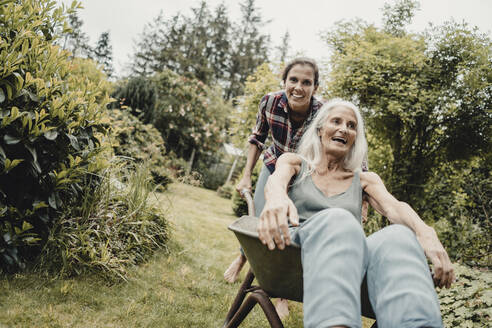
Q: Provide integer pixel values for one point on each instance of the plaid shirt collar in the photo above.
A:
(282, 126)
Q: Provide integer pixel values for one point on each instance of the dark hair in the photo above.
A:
(302, 61)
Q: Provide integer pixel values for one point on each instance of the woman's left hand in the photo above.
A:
(443, 269)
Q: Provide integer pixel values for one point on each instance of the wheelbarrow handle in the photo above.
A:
(246, 193)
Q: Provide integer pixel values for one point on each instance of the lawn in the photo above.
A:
(179, 288)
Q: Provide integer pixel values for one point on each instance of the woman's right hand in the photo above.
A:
(278, 210)
(244, 183)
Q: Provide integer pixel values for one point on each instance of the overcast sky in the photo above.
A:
(125, 19)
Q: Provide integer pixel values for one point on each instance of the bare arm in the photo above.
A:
(253, 155)
(400, 212)
(279, 208)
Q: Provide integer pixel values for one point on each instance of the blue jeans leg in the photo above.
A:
(334, 258)
(259, 196)
(399, 282)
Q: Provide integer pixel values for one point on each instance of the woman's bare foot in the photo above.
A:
(282, 308)
(232, 272)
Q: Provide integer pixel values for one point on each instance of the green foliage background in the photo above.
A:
(140, 142)
(70, 206)
(51, 114)
(427, 102)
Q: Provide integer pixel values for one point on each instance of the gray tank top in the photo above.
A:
(309, 200)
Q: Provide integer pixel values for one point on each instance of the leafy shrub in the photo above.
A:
(468, 303)
(213, 171)
(213, 178)
(140, 94)
(458, 199)
(193, 179)
(141, 142)
(226, 191)
(51, 112)
(189, 114)
(115, 228)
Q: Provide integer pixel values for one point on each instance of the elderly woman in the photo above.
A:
(319, 191)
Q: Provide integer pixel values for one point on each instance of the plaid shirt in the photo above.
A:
(273, 114)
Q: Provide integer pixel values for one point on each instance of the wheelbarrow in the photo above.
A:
(278, 273)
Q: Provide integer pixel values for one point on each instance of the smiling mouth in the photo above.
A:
(297, 96)
(339, 139)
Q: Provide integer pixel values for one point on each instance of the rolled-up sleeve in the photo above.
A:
(260, 130)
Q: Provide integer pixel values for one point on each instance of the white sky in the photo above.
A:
(125, 19)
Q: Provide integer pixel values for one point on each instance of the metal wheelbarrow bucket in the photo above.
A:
(278, 272)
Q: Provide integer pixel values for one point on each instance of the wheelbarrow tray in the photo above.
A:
(278, 272)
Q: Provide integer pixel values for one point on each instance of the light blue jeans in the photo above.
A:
(336, 256)
(259, 196)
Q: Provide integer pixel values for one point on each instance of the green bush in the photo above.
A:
(468, 303)
(226, 191)
(51, 112)
(141, 142)
(213, 179)
(140, 94)
(458, 201)
(190, 115)
(115, 228)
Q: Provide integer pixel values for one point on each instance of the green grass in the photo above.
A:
(184, 288)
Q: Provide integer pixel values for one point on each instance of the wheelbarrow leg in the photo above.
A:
(261, 298)
(270, 312)
(241, 294)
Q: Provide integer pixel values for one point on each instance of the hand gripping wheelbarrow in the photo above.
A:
(278, 273)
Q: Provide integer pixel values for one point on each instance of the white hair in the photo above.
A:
(310, 147)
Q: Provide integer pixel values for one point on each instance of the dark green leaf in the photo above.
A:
(11, 140)
(44, 217)
(33, 152)
(51, 135)
(52, 201)
(59, 202)
(73, 141)
(2, 96)
(33, 96)
(35, 165)
(8, 259)
(6, 237)
(13, 253)
(2, 153)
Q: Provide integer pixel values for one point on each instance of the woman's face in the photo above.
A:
(299, 87)
(339, 131)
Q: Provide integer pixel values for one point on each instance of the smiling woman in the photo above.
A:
(286, 114)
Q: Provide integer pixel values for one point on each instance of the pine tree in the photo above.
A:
(205, 46)
(76, 40)
(283, 49)
(249, 48)
(103, 53)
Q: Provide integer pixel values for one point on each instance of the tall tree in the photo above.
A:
(283, 49)
(220, 34)
(250, 48)
(429, 95)
(76, 40)
(205, 45)
(191, 116)
(396, 17)
(103, 53)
